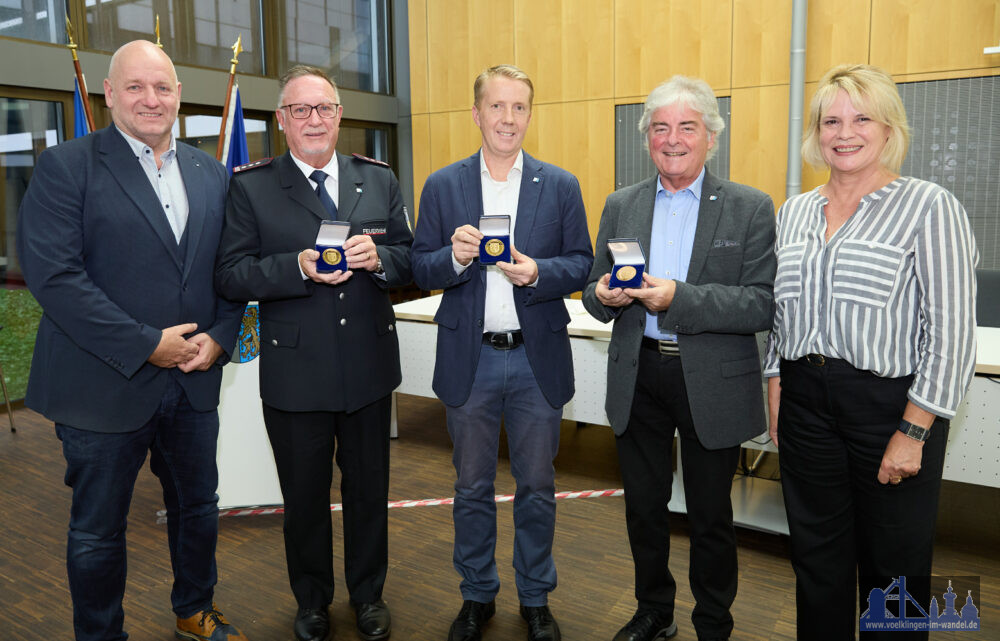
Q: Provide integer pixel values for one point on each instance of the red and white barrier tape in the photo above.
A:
(499, 498)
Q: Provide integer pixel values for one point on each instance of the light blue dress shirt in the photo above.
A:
(675, 218)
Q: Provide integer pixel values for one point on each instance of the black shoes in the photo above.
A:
(541, 625)
(470, 621)
(312, 625)
(373, 619)
(647, 625)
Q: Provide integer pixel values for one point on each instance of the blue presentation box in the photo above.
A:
(495, 245)
(330, 245)
(629, 262)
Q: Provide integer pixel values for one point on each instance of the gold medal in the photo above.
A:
(331, 256)
(494, 247)
(625, 274)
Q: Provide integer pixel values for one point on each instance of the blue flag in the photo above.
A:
(80, 127)
(234, 152)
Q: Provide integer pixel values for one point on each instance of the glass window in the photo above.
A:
(27, 127)
(43, 20)
(203, 132)
(365, 139)
(195, 33)
(347, 38)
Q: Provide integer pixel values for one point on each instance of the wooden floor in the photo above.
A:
(593, 600)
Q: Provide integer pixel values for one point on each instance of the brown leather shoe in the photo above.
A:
(207, 625)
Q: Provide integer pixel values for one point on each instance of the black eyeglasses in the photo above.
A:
(301, 111)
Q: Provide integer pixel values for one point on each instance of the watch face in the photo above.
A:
(914, 431)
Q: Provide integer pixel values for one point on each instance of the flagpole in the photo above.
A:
(237, 48)
(79, 76)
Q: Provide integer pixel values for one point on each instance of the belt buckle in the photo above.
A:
(501, 340)
(667, 348)
(816, 359)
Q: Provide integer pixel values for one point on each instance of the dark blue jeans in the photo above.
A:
(101, 468)
(505, 387)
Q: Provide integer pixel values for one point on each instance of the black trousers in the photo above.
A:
(660, 406)
(846, 528)
(304, 445)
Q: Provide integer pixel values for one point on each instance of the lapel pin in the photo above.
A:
(713, 197)
(357, 189)
(535, 179)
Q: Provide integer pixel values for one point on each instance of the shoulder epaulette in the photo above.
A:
(252, 165)
(370, 160)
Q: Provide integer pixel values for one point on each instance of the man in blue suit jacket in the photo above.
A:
(503, 349)
(117, 236)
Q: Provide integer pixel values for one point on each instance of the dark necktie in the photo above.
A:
(324, 198)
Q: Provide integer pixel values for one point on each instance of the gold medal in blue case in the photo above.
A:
(330, 244)
(629, 262)
(495, 245)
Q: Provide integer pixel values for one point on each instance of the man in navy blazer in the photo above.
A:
(117, 236)
(503, 349)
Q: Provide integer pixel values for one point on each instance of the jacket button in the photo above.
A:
(274, 341)
(634, 361)
(341, 295)
(390, 327)
(480, 322)
(343, 321)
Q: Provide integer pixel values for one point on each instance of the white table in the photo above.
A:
(247, 475)
(973, 454)
(757, 503)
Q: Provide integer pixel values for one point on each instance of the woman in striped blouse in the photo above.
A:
(872, 348)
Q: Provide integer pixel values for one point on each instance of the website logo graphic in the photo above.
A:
(895, 608)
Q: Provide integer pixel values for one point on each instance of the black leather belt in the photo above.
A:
(668, 348)
(504, 340)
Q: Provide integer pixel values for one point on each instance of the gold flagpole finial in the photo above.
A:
(237, 50)
(158, 43)
(69, 36)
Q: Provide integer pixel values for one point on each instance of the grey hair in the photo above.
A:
(693, 92)
(298, 71)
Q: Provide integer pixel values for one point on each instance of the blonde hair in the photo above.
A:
(504, 71)
(871, 91)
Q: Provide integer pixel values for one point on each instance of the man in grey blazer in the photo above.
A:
(683, 353)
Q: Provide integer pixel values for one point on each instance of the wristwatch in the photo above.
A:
(378, 267)
(915, 432)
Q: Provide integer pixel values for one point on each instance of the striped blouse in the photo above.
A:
(893, 291)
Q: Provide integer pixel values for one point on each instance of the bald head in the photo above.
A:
(139, 50)
(143, 93)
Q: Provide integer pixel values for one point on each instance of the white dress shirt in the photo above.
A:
(166, 181)
(499, 199)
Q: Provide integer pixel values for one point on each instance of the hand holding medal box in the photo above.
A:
(330, 244)
(629, 262)
(495, 244)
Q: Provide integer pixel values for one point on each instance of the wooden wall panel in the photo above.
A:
(655, 40)
(565, 46)
(837, 33)
(453, 136)
(758, 154)
(421, 156)
(463, 38)
(916, 36)
(417, 16)
(759, 139)
(762, 31)
(580, 138)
